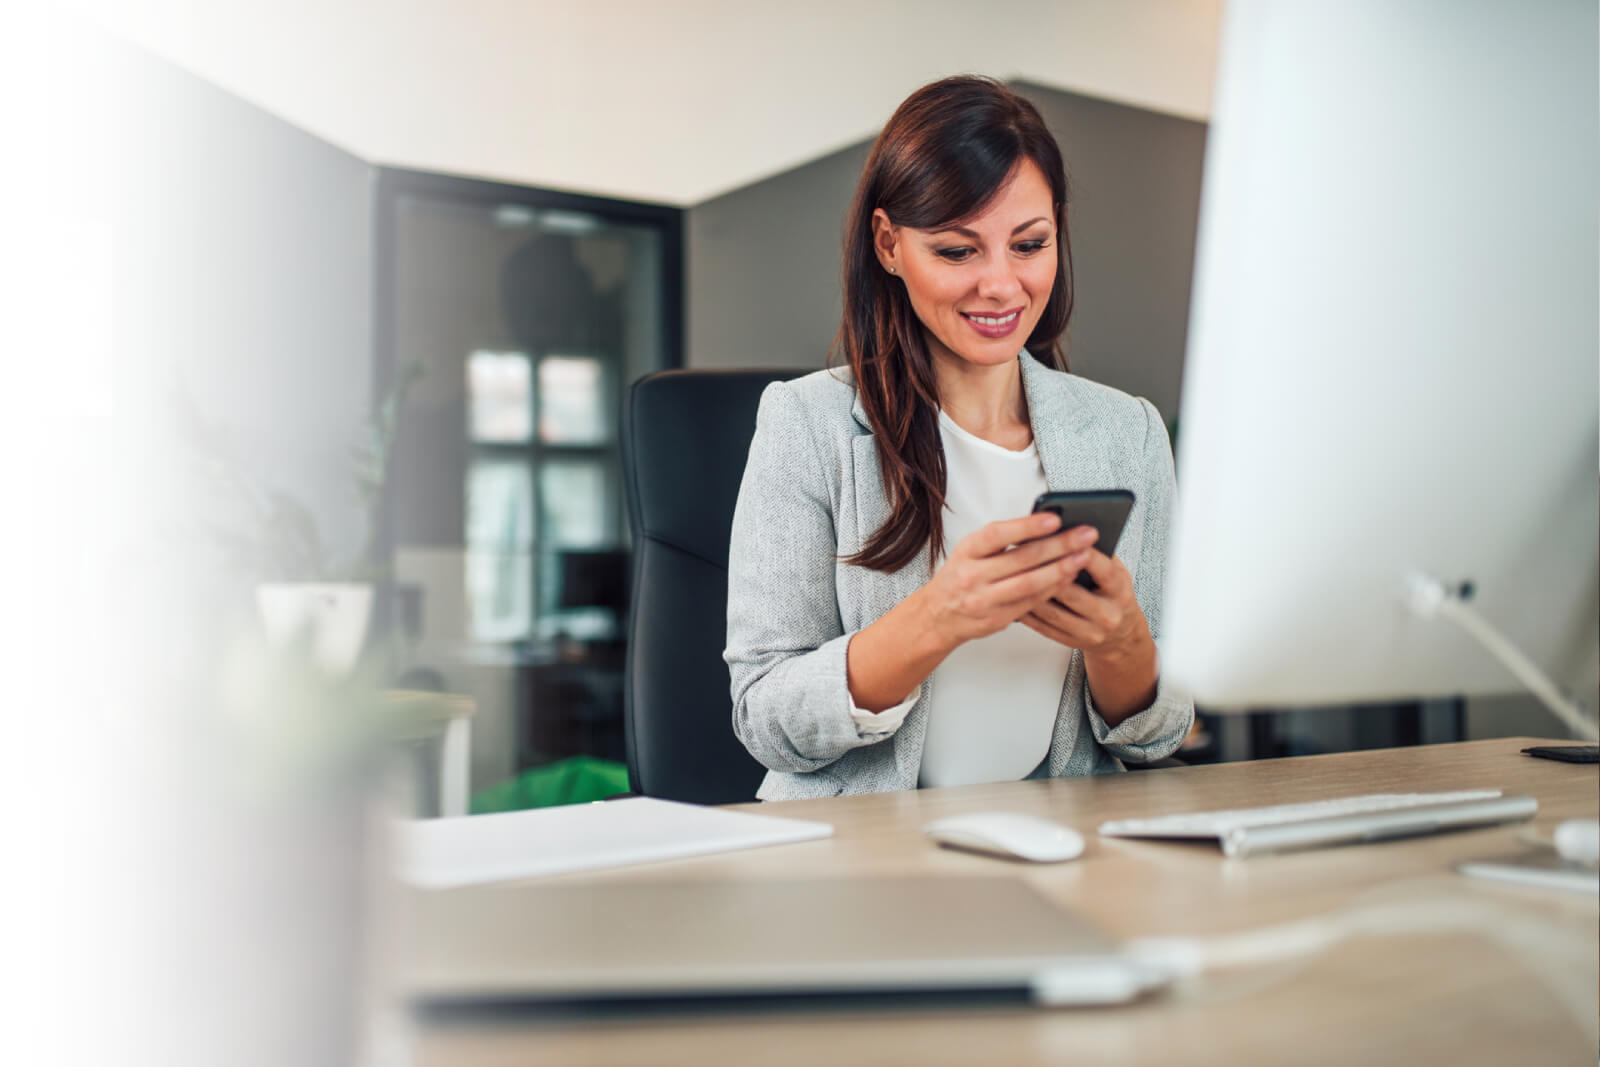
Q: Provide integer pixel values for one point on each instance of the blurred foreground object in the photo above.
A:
(422, 716)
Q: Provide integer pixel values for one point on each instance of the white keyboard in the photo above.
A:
(1336, 821)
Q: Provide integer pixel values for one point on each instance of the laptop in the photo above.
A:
(637, 942)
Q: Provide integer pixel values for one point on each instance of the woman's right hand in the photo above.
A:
(981, 588)
(986, 584)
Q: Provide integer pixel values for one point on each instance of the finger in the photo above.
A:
(1050, 611)
(999, 536)
(1037, 582)
(1096, 607)
(1058, 614)
(1039, 552)
(1044, 629)
(1027, 557)
(1078, 631)
(1108, 573)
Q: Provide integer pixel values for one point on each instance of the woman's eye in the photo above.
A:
(955, 255)
(1028, 248)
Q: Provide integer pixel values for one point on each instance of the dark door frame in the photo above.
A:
(394, 182)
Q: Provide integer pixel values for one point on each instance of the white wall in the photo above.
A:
(673, 101)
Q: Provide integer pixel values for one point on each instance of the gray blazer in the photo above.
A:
(812, 494)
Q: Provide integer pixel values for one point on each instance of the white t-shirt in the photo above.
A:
(994, 699)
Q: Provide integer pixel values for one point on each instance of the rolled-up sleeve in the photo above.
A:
(1157, 731)
(786, 644)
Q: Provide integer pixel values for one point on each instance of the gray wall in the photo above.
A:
(1135, 178)
(764, 260)
(763, 267)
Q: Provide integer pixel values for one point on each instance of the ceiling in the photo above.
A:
(674, 101)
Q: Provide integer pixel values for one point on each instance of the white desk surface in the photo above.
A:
(1414, 999)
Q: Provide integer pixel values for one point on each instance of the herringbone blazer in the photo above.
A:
(813, 494)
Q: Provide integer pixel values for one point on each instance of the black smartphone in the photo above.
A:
(1566, 753)
(1104, 509)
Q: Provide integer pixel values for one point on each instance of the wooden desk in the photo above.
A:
(1415, 999)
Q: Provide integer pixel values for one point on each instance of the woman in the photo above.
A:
(882, 546)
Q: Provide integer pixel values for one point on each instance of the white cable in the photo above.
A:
(1429, 599)
(1566, 965)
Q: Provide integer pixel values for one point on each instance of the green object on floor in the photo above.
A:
(575, 780)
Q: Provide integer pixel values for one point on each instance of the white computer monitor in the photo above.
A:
(1392, 363)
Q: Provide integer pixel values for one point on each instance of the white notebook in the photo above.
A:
(473, 849)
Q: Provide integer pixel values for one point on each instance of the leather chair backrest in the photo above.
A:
(685, 437)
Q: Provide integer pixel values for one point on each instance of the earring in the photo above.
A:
(891, 270)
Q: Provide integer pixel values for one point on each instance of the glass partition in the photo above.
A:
(527, 312)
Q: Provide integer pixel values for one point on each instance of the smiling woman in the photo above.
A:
(964, 197)
(882, 547)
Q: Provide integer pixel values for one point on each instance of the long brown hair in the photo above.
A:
(945, 154)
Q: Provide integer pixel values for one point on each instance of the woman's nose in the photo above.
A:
(998, 279)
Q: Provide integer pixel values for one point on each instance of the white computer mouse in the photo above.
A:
(1009, 834)
(1578, 841)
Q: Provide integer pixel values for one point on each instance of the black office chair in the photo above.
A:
(685, 437)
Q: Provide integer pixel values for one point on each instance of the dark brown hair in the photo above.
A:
(946, 153)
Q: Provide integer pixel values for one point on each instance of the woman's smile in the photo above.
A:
(994, 324)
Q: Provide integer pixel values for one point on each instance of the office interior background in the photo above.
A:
(258, 224)
(501, 218)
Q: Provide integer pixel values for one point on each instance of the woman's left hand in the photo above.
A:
(1109, 627)
(1105, 621)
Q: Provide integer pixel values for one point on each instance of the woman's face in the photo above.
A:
(980, 288)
